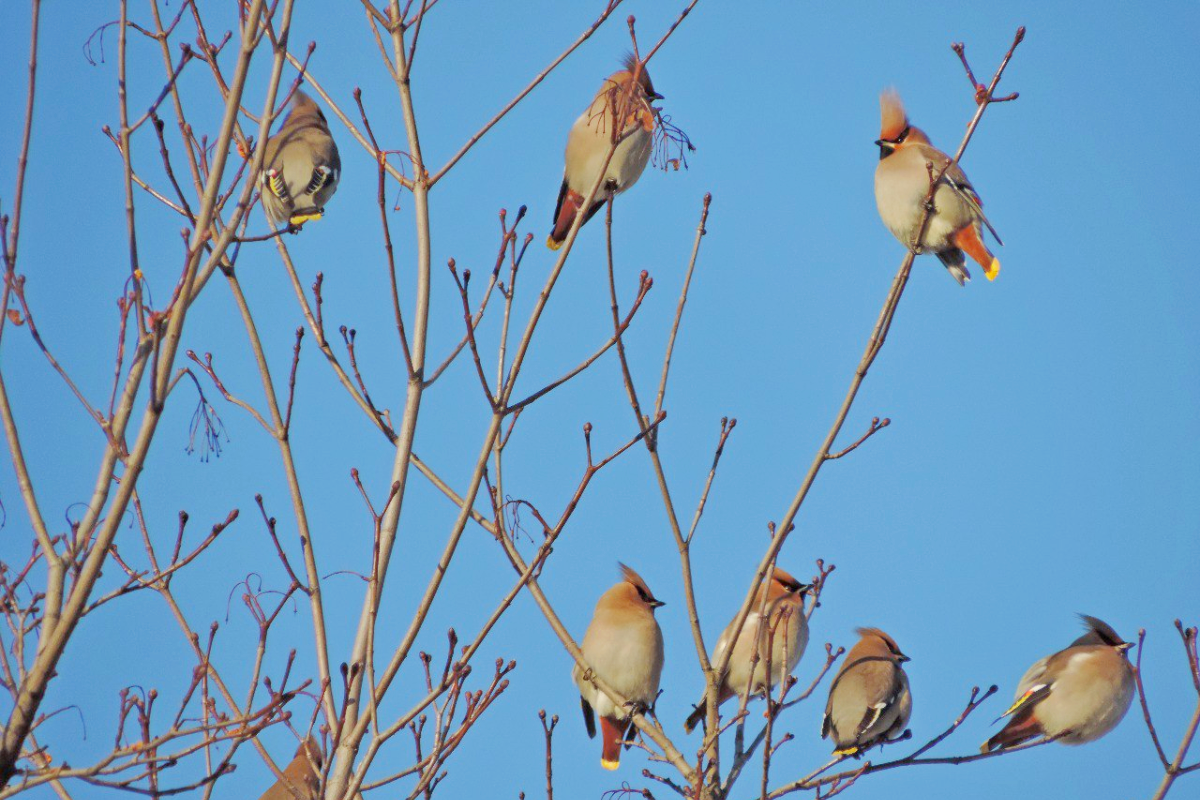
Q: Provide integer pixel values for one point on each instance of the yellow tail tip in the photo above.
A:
(300, 219)
(609, 765)
(846, 751)
(984, 748)
(992, 269)
(553, 245)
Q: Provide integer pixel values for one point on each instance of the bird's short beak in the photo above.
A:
(657, 604)
(657, 96)
(1123, 646)
(903, 659)
(885, 148)
(879, 142)
(803, 589)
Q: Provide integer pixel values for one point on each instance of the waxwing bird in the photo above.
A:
(303, 775)
(301, 166)
(1076, 695)
(869, 701)
(902, 184)
(781, 641)
(590, 139)
(624, 647)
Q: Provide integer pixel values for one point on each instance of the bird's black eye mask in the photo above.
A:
(648, 598)
(888, 146)
(792, 586)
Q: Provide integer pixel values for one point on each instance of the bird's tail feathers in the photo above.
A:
(572, 201)
(969, 239)
(700, 712)
(613, 732)
(1020, 729)
(299, 217)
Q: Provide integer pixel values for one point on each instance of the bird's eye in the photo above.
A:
(903, 135)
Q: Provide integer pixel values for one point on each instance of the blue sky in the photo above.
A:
(1040, 461)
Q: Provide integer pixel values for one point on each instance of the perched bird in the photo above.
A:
(1078, 694)
(902, 184)
(624, 646)
(593, 135)
(303, 775)
(301, 166)
(786, 630)
(869, 701)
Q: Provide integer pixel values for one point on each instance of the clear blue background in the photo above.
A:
(1042, 456)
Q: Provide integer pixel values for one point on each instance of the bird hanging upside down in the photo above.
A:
(301, 166)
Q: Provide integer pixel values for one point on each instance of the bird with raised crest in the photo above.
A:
(954, 229)
(1075, 695)
(624, 98)
(623, 646)
(869, 700)
(781, 642)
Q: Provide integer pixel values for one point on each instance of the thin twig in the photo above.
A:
(877, 425)
(1141, 691)
(541, 76)
(1175, 769)
(874, 345)
(548, 730)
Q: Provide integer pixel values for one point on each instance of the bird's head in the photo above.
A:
(643, 77)
(783, 584)
(637, 590)
(884, 642)
(894, 129)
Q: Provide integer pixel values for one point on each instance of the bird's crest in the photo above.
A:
(630, 63)
(1098, 632)
(893, 120)
(787, 581)
(633, 578)
(888, 640)
(301, 100)
(643, 591)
